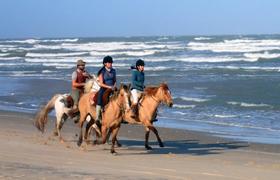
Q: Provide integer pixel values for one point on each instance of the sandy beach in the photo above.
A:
(25, 153)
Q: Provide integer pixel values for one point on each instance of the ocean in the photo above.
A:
(225, 85)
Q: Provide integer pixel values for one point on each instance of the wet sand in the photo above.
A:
(25, 153)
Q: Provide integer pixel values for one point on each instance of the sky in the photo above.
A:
(114, 18)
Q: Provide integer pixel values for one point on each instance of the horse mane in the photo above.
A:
(115, 95)
(152, 90)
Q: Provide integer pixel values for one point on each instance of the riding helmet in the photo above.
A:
(140, 62)
(107, 59)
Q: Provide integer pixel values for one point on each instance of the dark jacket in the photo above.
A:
(137, 80)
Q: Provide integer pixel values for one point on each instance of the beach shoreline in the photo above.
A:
(28, 154)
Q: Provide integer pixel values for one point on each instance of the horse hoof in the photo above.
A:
(161, 145)
(148, 147)
(119, 145)
(79, 143)
(55, 133)
(113, 152)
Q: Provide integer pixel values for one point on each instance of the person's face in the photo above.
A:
(140, 68)
(108, 65)
(81, 67)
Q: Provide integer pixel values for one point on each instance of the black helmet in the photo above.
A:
(140, 62)
(107, 59)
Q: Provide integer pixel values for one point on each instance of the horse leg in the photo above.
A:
(156, 133)
(147, 139)
(59, 126)
(108, 135)
(118, 143)
(104, 134)
(82, 118)
(88, 129)
(114, 139)
(58, 119)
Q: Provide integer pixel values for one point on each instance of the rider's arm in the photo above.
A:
(101, 83)
(74, 83)
(135, 80)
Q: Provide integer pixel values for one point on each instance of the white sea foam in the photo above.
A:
(26, 41)
(254, 105)
(255, 68)
(127, 53)
(243, 104)
(116, 46)
(163, 38)
(10, 58)
(224, 116)
(71, 60)
(202, 38)
(47, 71)
(59, 65)
(183, 106)
(265, 55)
(199, 59)
(194, 99)
(4, 54)
(43, 55)
(179, 112)
(34, 41)
(158, 68)
(237, 45)
(60, 40)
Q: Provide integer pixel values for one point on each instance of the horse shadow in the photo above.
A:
(191, 147)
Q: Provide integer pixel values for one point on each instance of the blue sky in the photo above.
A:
(95, 18)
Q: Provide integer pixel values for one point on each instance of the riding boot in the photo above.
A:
(134, 108)
(98, 116)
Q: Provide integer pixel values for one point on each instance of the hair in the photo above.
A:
(100, 70)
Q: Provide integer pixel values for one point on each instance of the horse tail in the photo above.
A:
(88, 86)
(41, 118)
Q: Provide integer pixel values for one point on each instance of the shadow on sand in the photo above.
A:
(192, 147)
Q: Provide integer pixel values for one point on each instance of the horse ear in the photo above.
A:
(121, 86)
(164, 83)
(129, 85)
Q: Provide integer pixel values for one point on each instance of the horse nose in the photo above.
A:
(171, 104)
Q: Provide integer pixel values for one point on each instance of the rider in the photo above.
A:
(107, 80)
(79, 77)
(138, 78)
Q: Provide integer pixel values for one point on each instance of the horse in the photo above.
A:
(148, 104)
(62, 103)
(118, 103)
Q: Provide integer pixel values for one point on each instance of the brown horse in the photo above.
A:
(113, 110)
(153, 97)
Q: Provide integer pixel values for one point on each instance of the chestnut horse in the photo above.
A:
(148, 104)
(118, 103)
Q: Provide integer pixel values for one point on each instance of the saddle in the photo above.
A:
(93, 98)
(94, 95)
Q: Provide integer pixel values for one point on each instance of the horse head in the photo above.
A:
(124, 96)
(164, 94)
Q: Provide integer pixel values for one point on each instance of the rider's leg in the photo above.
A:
(98, 109)
(134, 105)
(74, 113)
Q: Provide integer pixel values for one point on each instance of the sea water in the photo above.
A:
(225, 85)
